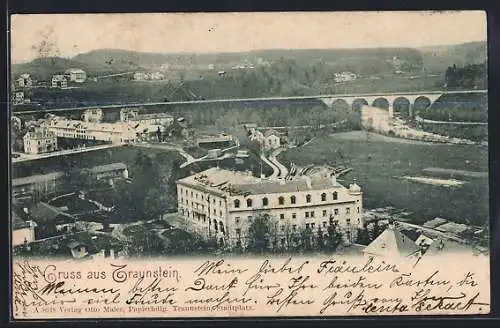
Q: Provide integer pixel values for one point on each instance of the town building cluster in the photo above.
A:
(221, 204)
(345, 77)
(151, 76)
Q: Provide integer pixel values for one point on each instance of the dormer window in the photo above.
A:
(323, 197)
(335, 195)
(308, 198)
(249, 202)
(293, 200)
(236, 203)
(281, 200)
(265, 201)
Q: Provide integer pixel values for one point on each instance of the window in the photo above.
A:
(220, 213)
(357, 209)
(294, 227)
(335, 195)
(293, 200)
(307, 214)
(312, 214)
(237, 203)
(238, 232)
(348, 221)
(324, 212)
(237, 220)
(323, 197)
(249, 218)
(191, 194)
(336, 211)
(249, 202)
(201, 197)
(282, 216)
(214, 211)
(220, 203)
(294, 215)
(312, 225)
(282, 228)
(265, 201)
(281, 200)
(348, 210)
(307, 225)
(324, 223)
(308, 198)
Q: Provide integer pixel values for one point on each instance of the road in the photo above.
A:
(30, 157)
(423, 120)
(188, 157)
(276, 170)
(212, 101)
(283, 171)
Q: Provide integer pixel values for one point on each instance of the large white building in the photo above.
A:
(39, 141)
(221, 204)
(116, 133)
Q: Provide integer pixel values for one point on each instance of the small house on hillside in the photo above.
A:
(76, 75)
(59, 81)
(24, 81)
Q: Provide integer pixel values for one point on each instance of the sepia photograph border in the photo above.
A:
(107, 6)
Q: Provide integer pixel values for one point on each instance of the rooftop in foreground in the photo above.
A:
(243, 183)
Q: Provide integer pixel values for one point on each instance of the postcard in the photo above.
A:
(223, 165)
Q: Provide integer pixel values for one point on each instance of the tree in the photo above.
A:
(320, 239)
(306, 236)
(156, 202)
(334, 237)
(363, 237)
(260, 233)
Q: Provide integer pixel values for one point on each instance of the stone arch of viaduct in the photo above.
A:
(396, 102)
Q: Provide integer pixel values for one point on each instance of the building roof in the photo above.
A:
(37, 178)
(61, 122)
(271, 132)
(17, 222)
(235, 182)
(108, 167)
(75, 70)
(453, 227)
(434, 222)
(73, 244)
(58, 77)
(152, 116)
(440, 246)
(43, 212)
(392, 242)
(40, 134)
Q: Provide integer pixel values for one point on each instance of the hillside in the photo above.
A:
(438, 58)
(356, 58)
(43, 68)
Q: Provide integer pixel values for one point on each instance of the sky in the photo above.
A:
(67, 35)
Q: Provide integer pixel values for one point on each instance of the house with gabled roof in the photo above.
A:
(392, 243)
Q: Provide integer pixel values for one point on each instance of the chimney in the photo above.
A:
(308, 181)
(333, 177)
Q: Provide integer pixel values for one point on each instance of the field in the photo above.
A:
(380, 163)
